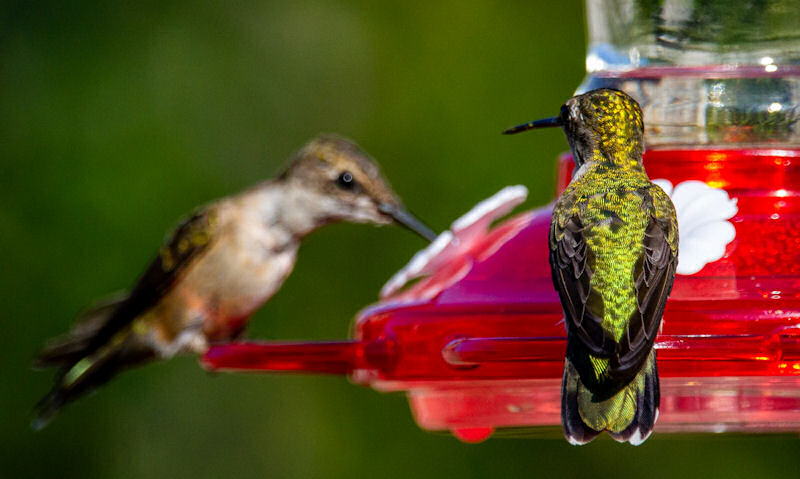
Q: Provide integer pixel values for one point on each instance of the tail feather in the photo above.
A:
(80, 369)
(87, 375)
(578, 408)
(71, 347)
(70, 384)
(647, 403)
(46, 409)
(575, 430)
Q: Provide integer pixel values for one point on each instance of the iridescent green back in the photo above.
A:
(615, 200)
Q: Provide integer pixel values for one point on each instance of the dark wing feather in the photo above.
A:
(571, 263)
(70, 348)
(653, 277)
(189, 240)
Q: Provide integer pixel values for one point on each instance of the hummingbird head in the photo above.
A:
(603, 123)
(341, 182)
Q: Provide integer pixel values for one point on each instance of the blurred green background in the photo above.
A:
(117, 118)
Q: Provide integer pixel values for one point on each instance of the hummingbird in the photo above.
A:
(219, 266)
(613, 253)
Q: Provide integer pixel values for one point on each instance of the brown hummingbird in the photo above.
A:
(219, 266)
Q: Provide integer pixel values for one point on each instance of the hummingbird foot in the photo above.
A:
(189, 341)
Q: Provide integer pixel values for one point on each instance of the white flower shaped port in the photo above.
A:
(704, 231)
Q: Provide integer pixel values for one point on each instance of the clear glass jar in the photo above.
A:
(705, 72)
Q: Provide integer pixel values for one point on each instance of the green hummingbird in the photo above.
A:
(218, 267)
(613, 254)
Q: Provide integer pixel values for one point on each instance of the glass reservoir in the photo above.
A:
(477, 343)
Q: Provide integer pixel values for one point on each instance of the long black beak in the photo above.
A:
(407, 220)
(545, 123)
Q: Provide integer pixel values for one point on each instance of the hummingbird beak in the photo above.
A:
(407, 220)
(545, 123)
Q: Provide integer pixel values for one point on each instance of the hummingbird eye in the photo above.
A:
(564, 114)
(346, 181)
